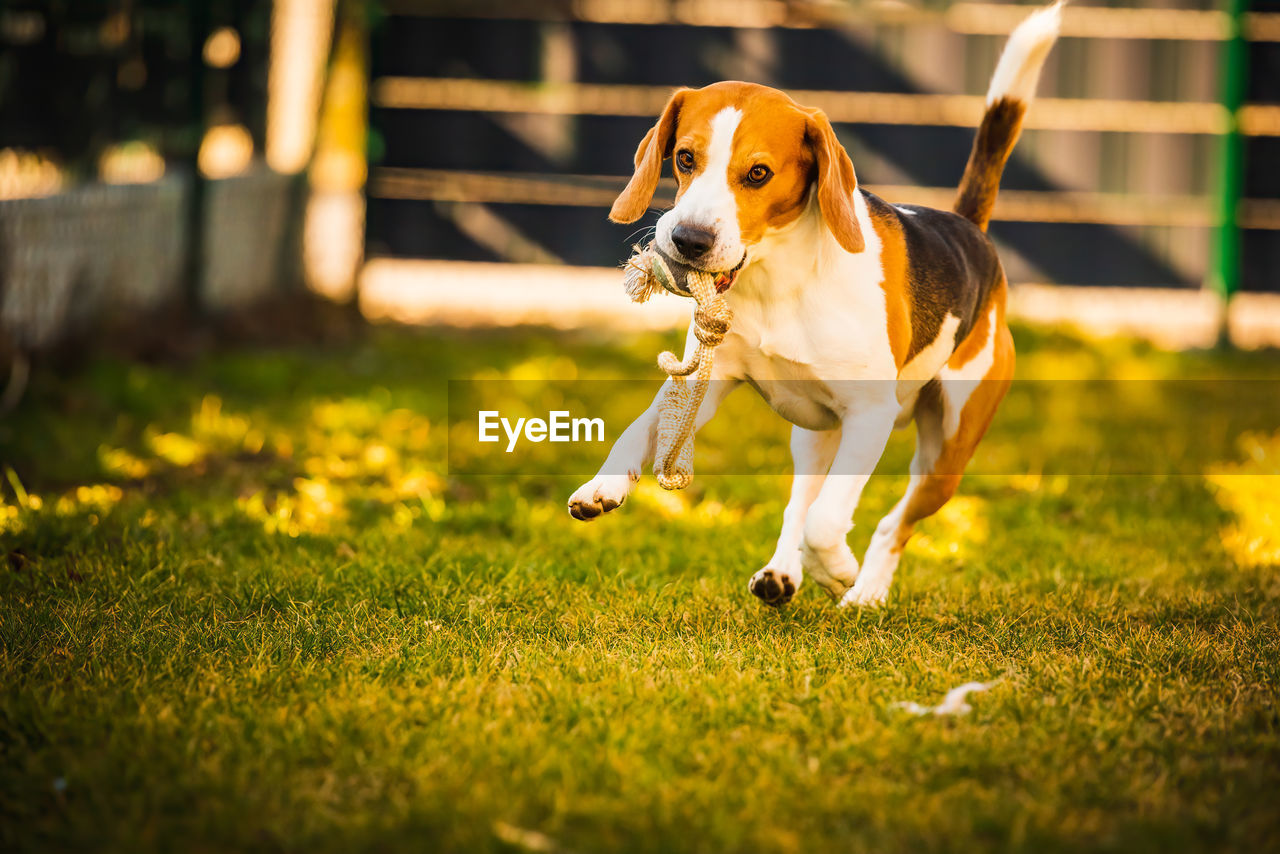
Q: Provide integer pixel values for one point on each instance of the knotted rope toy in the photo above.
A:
(646, 271)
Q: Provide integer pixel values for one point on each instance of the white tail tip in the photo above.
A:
(1018, 70)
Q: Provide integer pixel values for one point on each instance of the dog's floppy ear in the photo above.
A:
(836, 181)
(654, 148)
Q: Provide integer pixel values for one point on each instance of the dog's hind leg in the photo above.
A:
(952, 414)
(811, 454)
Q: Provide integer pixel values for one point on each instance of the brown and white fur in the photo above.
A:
(852, 316)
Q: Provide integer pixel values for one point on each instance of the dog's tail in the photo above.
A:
(1012, 87)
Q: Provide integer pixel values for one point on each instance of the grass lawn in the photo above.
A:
(243, 605)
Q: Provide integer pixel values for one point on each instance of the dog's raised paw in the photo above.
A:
(773, 586)
(598, 496)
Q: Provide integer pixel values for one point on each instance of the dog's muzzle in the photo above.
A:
(679, 271)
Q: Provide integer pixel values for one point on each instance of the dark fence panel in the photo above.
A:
(552, 47)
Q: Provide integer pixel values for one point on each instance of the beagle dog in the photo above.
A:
(852, 316)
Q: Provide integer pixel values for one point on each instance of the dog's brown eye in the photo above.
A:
(684, 160)
(759, 174)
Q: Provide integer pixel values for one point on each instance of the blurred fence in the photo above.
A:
(100, 251)
(150, 155)
(507, 128)
(66, 258)
(153, 152)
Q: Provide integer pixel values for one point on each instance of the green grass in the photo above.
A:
(243, 605)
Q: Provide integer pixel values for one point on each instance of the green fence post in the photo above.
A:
(1225, 273)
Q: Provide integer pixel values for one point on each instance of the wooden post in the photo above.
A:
(197, 32)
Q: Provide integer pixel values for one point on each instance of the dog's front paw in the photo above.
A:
(599, 495)
(774, 586)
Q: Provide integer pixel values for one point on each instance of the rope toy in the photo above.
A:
(646, 271)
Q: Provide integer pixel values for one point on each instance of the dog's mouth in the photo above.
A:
(724, 279)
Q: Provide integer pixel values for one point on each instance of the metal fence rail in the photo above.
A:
(886, 108)
(599, 191)
(964, 18)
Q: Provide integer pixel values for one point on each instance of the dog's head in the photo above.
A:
(745, 158)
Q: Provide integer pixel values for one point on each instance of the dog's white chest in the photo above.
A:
(811, 363)
(810, 328)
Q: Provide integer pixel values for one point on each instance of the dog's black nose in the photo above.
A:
(692, 242)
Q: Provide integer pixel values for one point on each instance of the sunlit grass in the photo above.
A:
(1250, 489)
(244, 605)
